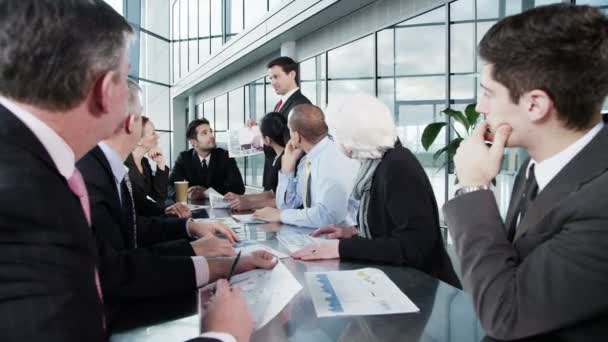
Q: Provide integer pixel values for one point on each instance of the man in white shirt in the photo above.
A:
(318, 194)
(544, 271)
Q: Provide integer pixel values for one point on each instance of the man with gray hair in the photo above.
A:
(63, 88)
(318, 194)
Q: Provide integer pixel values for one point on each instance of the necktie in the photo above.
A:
(76, 184)
(307, 184)
(128, 205)
(527, 197)
(205, 173)
(278, 106)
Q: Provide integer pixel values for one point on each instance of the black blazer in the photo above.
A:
(224, 175)
(297, 98)
(146, 184)
(47, 253)
(128, 273)
(403, 219)
(551, 279)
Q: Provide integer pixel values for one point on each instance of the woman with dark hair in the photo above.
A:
(276, 135)
(150, 188)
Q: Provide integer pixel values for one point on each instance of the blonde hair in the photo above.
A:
(362, 124)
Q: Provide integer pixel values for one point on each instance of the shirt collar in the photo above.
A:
(286, 97)
(119, 170)
(316, 150)
(546, 170)
(60, 152)
(207, 159)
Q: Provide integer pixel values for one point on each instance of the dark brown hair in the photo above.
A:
(561, 49)
(287, 64)
(193, 125)
(53, 51)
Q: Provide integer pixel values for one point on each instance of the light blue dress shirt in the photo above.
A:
(332, 176)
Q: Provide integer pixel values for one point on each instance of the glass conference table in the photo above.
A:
(446, 313)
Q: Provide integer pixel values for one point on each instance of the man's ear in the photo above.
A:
(292, 75)
(193, 142)
(103, 92)
(538, 105)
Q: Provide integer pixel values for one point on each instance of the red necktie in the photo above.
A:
(76, 184)
(278, 106)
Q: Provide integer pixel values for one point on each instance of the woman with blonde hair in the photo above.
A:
(398, 218)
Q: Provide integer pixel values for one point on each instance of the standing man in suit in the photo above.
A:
(282, 72)
(205, 165)
(130, 271)
(63, 88)
(545, 269)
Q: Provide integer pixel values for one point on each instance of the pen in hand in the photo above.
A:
(236, 260)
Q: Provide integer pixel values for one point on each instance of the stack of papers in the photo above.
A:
(367, 291)
(294, 240)
(217, 200)
(225, 220)
(249, 247)
(247, 218)
(267, 292)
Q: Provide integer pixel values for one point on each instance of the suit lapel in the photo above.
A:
(591, 162)
(286, 107)
(198, 169)
(101, 158)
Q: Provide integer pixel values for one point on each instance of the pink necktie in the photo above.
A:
(76, 184)
(278, 106)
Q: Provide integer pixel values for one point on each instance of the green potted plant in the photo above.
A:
(468, 121)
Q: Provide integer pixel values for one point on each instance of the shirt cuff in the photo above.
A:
(188, 230)
(201, 270)
(224, 337)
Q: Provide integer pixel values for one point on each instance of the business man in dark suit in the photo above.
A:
(129, 267)
(49, 117)
(545, 270)
(205, 165)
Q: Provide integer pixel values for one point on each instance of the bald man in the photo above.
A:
(317, 195)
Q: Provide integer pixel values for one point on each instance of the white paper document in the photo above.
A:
(217, 200)
(229, 221)
(248, 247)
(194, 207)
(247, 218)
(245, 141)
(267, 292)
(294, 239)
(366, 291)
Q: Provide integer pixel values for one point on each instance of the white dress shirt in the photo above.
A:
(546, 170)
(332, 176)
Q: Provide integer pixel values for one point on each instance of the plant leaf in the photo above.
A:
(450, 149)
(458, 116)
(430, 133)
(472, 114)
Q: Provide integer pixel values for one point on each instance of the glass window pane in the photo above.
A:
(309, 89)
(308, 70)
(184, 57)
(236, 110)
(421, 88)
(216, 17)
(221, 113)
(462, 10)
(156, 102)
(386, 92)
(435, 16)
(254, 10)
(424, 54)
(117, 5)
(255, 170)
(203, 18)
(513, 7)
(154, 58)
(462, 48)
(591, 2)
(193, 19)
(216, 44)
(340, 88)
(271, 97)
(193, 54)
(578, 2)
(154, 17)
(355, 59)
(221, 139)
(203, 50)
(235, 19)
(386, 52)
(209, 112)
(463, 87)
(256, 99)
(487, 9)
(240, 163)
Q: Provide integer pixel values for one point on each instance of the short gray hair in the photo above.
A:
(134, 105)
(362, 124)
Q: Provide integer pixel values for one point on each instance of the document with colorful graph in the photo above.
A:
(366, 291)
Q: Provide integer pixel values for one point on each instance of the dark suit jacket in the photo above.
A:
(553, 277)
(224, 175)
(271, 173)
(146, 184)
(47, 253)
(128, 273)
(403, 219)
